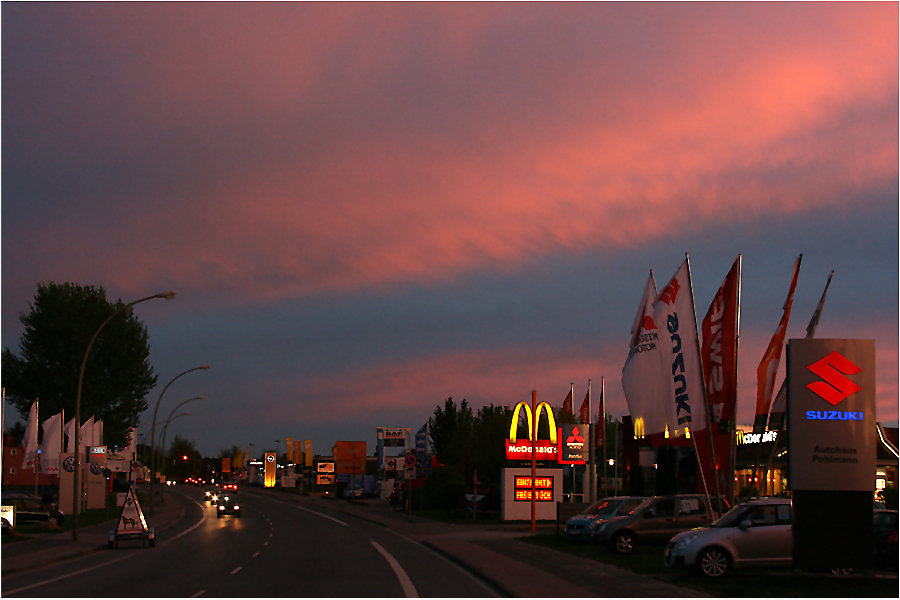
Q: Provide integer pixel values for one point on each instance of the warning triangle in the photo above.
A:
(132, 519)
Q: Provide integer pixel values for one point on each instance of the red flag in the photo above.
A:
(567, 404)
(768, 367)
(585, 413)
(718, 352)
(719, 348)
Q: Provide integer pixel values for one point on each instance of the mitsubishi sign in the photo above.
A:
(831, 408)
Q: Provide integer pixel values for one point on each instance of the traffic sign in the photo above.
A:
(410, 460)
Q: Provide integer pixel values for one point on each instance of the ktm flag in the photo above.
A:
(642, 375)
(768, 367)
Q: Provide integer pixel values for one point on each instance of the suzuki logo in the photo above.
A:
(833, 369)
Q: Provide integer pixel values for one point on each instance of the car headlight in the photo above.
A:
(221, 507)
(236, 507)
(685, 542)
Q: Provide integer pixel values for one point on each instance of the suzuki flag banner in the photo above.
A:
(768, 367)
(673, 312)
(642, 376)
(52, 445)
(719, 349)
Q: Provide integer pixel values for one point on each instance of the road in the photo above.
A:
(276, 548)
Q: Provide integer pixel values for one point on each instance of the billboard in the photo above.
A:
(522, 449)
(350, 458)
(394, 438)
(831, 411)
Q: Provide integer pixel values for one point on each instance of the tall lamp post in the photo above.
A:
(170, 418)
(166, 429)
(76, 496)
(153, 433)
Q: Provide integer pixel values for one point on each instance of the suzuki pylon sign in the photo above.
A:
(518, 448)
(831, 411)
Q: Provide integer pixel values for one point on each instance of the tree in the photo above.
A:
(490, 428)
(183, 460)
(117, 375)
(450, 430)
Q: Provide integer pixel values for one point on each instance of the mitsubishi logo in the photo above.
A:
(833, 369)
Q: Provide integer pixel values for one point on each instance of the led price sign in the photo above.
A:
(543, 489)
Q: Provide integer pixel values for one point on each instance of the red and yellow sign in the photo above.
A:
(522, 449)
(543, 489)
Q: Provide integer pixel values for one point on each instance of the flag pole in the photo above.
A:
(592, 455)
(705, 404)
(533, 433)
(572, 396)
(731, 426)
(603, 424)
(37, 452)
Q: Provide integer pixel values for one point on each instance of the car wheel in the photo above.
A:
(714, 562)
(624, 542)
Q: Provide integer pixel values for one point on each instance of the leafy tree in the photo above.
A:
(59, 326)
(451, 435)
(17, 432)
(183, 459)
(490, 428)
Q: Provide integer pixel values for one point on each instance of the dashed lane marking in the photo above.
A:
(255, 554)
(236, 570)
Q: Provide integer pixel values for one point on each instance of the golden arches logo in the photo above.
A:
(514, 426)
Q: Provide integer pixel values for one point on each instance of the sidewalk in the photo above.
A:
(497, 554)
(48, 548)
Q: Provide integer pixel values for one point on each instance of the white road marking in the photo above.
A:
(236, 570)
(200, 593)
(409, 590)
(200, 522)
(266, 544)
(255, 554)
(321, 515)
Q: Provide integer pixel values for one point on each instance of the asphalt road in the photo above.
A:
(275, 549)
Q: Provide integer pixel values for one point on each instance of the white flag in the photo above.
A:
(86, 435)
(673, 312)
(643, 377)
(97, 439)
(31, 438)
(70, 434)
(52, 444)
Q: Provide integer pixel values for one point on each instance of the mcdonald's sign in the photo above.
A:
(521, 449)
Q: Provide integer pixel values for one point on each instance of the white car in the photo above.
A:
(752, 534)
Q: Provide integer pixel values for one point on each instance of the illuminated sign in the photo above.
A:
(573, 447)
(755, 438)
(543, 488)
(270, 469)
(522, 450)
(325, 479)
(9, 513)
(325, 467)
(394, 437)
(830, 449)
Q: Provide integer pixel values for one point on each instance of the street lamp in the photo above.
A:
(153, 434)
(166, 427)
(162, 498)
(76, 496)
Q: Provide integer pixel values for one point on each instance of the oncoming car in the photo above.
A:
(752, 534)
(228, 505)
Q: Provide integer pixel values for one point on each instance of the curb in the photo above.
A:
(84, 551)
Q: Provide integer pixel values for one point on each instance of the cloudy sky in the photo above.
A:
(367, 208)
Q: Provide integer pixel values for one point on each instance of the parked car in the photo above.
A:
(655, 520)
(885, 539)
(752, 534)
(581, 527)
(30, 508)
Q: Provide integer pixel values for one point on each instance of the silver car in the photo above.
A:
(581, 527)
(752, 534)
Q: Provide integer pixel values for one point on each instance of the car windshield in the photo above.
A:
(641, 506)
(604, 507)
(734, 516)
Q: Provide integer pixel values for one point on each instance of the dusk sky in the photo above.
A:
(367, 208)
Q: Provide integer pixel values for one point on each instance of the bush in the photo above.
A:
(444, 488)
